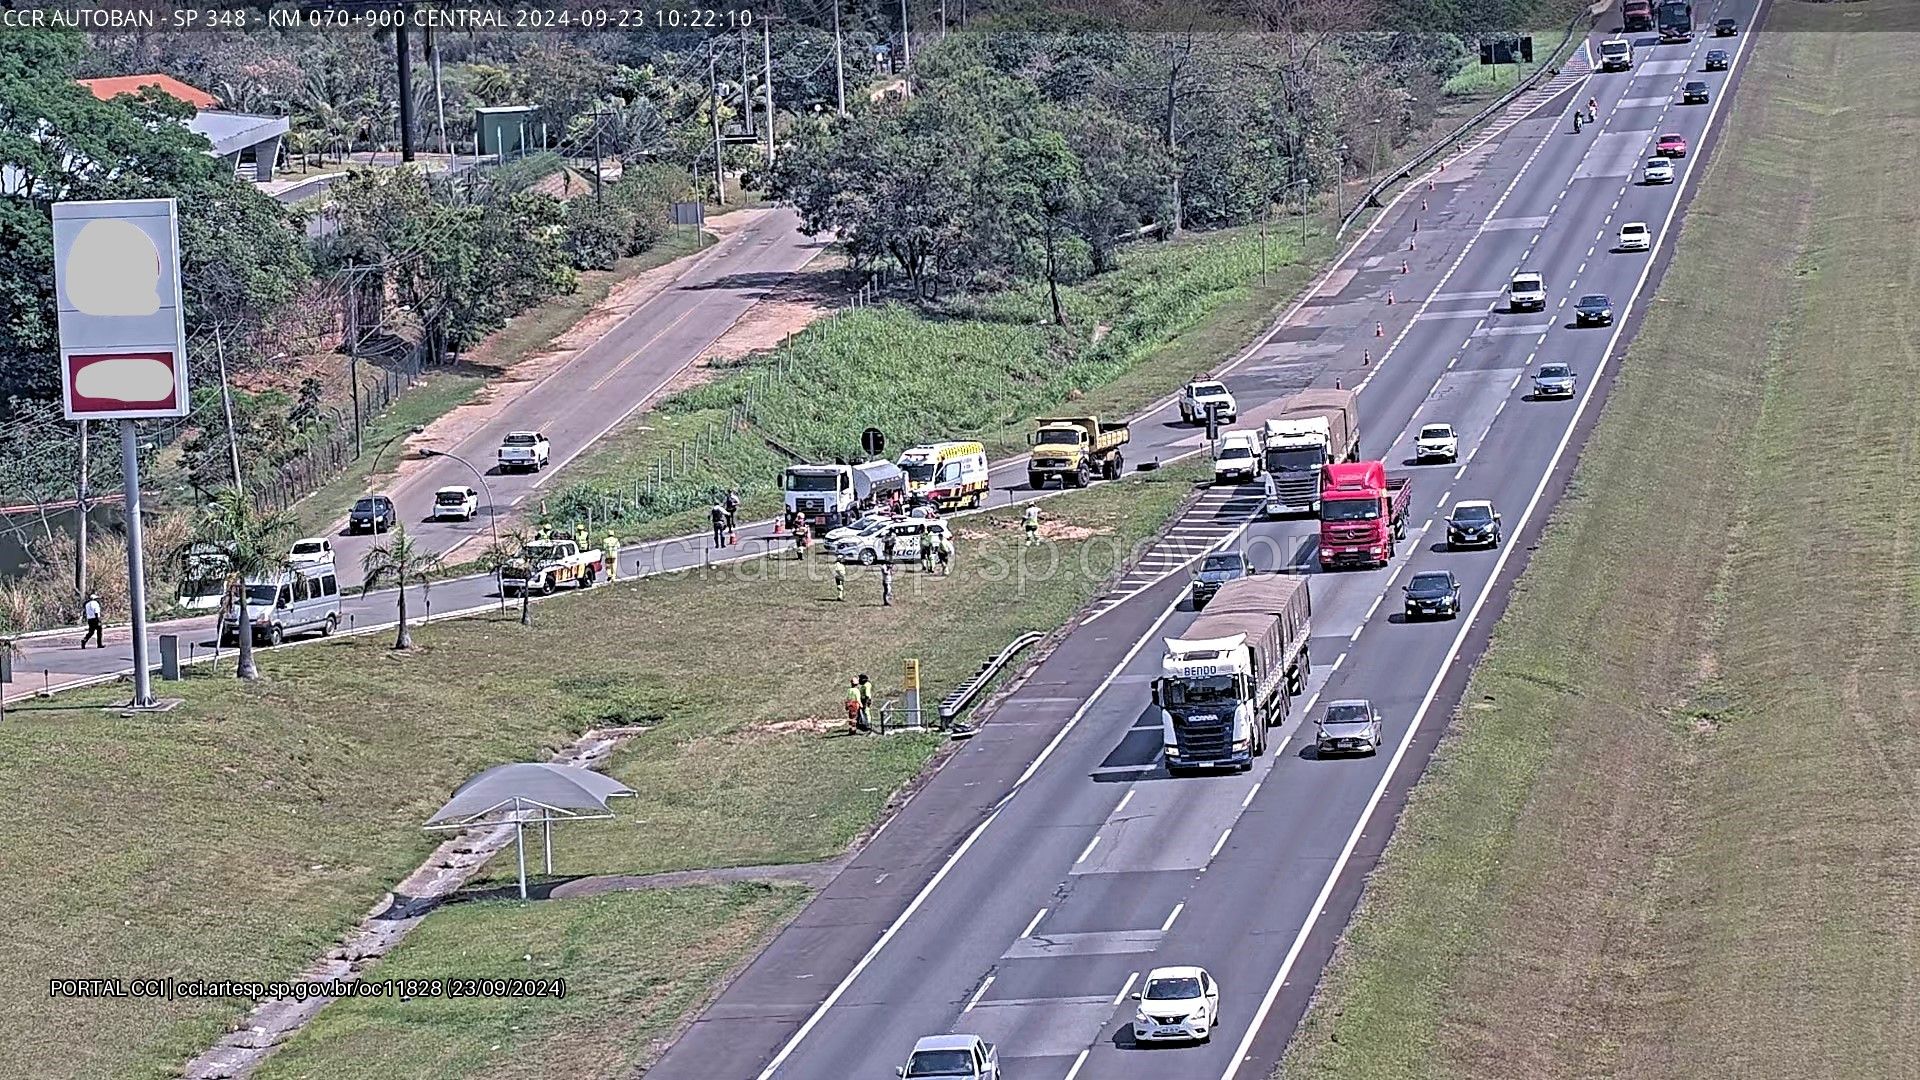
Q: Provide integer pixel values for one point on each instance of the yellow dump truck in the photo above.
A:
(1075, 449)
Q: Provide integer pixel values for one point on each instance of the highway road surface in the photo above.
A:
(1035, 878)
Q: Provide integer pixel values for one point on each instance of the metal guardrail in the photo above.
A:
(962, 696)
(1371, 200)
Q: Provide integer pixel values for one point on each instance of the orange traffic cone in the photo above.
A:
(1379, 330)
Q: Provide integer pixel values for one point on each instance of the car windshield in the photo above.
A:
(1525, 284)
(1181, 989)
(262, 595)
(1236, 450)
(1696, 86)
(1300, 460)
(1429, 584)
(1594, 301)
(1554, 371)
(1221, 562)
(1633, 230)
(813, 481)
(521, 440)
(921, 472)
(1658, 165)
(1205, 690)
(1472, 515)
(1614, 48)
(1671, 139)
(1209, 389)
(1436, 431)
(1349, 509)
(1346, 714)
(365, 506)
(1060, 437)
(941, 1063)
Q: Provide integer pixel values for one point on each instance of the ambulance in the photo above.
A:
(946, 474)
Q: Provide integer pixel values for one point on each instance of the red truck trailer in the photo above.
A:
(1363, 513)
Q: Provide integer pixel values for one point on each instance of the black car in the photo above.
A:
(1718, 60)
(1474, 523)
(1218, 569)
(1595, 309)
(374, 513)
(1694, 93)
(1433, 592)
(1725, 28)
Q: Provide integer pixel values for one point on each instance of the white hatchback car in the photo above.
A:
(1177, 1004)
(1657, 171)
(1635, 236)
(1436, 442)
(310, 550)
(455, 502)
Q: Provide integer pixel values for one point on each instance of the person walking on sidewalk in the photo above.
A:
(839, 580)
(1032, 519)
(886, 584)
(719, 515)
(94, 628)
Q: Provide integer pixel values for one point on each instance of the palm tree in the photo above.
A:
(402, 562)
(254, 544)
(502, 553)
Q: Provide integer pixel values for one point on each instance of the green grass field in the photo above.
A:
(1671, 835)
(238, 835)
(977, 369)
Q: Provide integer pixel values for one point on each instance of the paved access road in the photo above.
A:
(1025, 890)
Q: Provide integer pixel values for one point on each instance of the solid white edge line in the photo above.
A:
(1433, 689)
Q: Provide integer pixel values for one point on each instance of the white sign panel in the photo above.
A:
(123, 342)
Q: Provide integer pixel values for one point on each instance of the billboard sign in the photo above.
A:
(123, 348)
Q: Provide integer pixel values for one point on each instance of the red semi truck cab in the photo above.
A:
(1363, 513)
(1637, 15)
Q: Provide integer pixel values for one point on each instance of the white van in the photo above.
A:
(1616, 54)
(302, 599)
(1238, 456)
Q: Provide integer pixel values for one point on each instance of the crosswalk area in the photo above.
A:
(1219, 512)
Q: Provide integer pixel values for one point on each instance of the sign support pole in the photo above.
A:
(136, 566)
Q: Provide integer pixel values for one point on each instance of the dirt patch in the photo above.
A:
(806, 725)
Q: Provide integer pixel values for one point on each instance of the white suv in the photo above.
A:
(1436, 441)
(455, 502)
(1528, 292)
(1635, 236)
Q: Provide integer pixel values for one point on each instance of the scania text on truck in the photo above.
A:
(1636, 16)
(1676, 20)
(1363, 514)
(946, 475)
(1315, 428)
(1233, 673)
(829, 496)
(1075, 449)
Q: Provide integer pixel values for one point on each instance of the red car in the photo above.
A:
(1671, 145)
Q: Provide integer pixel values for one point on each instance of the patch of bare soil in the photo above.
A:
(805, 297)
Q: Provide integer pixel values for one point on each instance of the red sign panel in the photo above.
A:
(124, 385)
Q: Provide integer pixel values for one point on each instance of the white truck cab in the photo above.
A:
(1616, 54)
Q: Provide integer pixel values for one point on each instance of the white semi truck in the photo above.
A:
(829, 496)
(1316, 428)
(1234, 672)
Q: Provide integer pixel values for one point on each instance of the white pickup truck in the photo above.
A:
(523, 450)
(545, 565)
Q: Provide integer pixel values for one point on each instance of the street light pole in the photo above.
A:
(1339, 178)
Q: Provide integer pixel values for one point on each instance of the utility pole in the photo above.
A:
(906, 46)
(766, 75)
(226, 406)
(353, 352)
(746, 87)
(713, 109)
(80, 521)
(136, 570)
(404, 57)
(839, 65)
(439, 98)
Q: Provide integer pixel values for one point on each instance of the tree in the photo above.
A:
(401, 561)
(504, 552)
(1049, 190)
(254, 544)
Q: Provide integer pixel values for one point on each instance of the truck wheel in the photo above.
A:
(1080, 477)
(275, 635)
(586, 578)
(1036, 481)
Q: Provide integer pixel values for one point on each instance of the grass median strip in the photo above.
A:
(237, 836)
(1670, 833)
